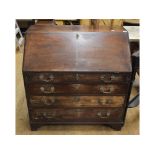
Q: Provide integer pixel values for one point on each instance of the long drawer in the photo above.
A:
(78, 114)
(48, 89)
(77, 77)
(76, 101)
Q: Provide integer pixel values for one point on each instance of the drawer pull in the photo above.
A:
(104, 102)
(49, 79)
(33, 101)
(49, 102)
(102, 78)
(76, 86)
(43, 100)
(103, 114)
(105, 90)
(35, 118)
(51, 90)
(77, 77)
(101, 89)
(112, 77)
(48, 115)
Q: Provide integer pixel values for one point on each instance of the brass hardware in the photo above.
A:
(33, 101)
(42, 89)
(43, 100)
(105, 90)
(49, 102)
(49, 79)
(48, 115)
(44, 114)
(41, 76)
(101, 101)
(36, 115)
(76, 86)
(52, 89)
(101, 89)
(103, 114)
(36, 118)
(77, 76)
(102, 77)
(108, 90)
(104, 101)
(112, 77)
(47, 91)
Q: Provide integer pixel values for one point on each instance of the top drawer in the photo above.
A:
(77, 77)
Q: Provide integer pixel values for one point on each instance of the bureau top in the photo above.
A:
(76, 48)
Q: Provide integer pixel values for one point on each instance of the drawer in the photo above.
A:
(76, 101)
(47, 89)
(78, 114)
(77, 77)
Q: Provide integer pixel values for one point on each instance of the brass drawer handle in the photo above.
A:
(33, 101)
(49, 79)
(77, 77)
(102, 77)
(43, 100)
(105, 90)
(103, 114)
(51, 90)
(35, 118)
(49, 102)
(112, 77)
(48, 115)
(104, 101)
(76, 86)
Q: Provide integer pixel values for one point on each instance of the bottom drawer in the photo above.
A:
(77, 115)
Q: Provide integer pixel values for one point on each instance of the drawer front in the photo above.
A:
(76, 101)
(47, 89)
(77, 77)
(78, 114)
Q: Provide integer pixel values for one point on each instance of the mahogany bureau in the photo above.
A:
(77, 75)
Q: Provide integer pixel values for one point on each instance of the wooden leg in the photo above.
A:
(34, 127)
(116, 126)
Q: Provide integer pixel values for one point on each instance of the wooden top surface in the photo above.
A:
(76, 48)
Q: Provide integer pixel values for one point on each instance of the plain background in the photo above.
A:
(18, 9)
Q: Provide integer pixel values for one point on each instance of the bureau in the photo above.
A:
(77, 75)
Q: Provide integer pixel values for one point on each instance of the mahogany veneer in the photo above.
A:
(77, 75)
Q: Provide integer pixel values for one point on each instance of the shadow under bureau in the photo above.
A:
(77, 75)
